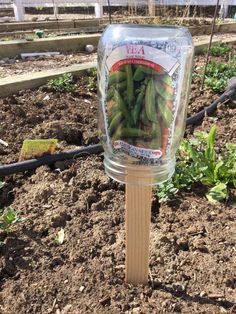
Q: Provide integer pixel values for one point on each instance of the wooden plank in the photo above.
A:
(137, 227)
(61, 43)
(15, 83)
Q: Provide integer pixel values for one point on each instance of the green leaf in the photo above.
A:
(9, 218)
(2, 184)
(210, 152)
(59, 239)
(197, 161)
(217, 193)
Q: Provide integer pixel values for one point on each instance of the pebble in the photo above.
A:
(81, 289)
(203, 294)
(89, 48)
(47, 97)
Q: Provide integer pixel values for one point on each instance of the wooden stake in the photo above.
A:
(137, 225)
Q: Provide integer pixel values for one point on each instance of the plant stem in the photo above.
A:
(209, 46)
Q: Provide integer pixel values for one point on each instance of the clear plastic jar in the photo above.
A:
(144, 75)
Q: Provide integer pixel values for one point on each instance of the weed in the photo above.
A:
(217, 75)
(219, 49)
(30, 37)
(198, 162)
(8, 218)
(92, 80)
(63, 83)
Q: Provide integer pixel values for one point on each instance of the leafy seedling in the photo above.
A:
(219, 49)
(63, 83)
(9, 218)
(30, 37)
(217, 75)
(217, 193)
(199, 163)
(92, 80)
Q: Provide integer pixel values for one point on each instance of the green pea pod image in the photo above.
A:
(130, 84)
(110, 93)
(166, 79)
(121, 86)
(117, 133)
(115, 122)
(143, 118)
(150, 71)
(115, 110)
(156, 135)
(138, 104)
(116, 77)
(122, 106)
(150, 101)
(139, 75)
(122, 68)
(132, 132)
(160, 89)
(165, 111)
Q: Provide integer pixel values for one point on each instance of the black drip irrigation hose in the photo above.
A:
(31, 164)
(49, 159)
(227, 95)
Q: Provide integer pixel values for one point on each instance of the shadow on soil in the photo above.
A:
(197, 299)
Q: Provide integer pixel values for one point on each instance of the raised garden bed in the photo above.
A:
(15, 66)
(192, 262)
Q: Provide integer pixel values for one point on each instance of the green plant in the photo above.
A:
(63, 83)
(217, 75)
(219, 49)
(2, 184)
(30, 37)
(92, 80)
(39, 33)
(198, 162)
(8, 218)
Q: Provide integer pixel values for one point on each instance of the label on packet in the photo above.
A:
(140, 102)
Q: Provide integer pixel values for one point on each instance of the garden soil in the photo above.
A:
(192, 243)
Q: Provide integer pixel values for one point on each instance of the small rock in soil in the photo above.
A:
(203, 294)
(81, 289)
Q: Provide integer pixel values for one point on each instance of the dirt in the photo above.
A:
(192, 245)
(17, 65)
